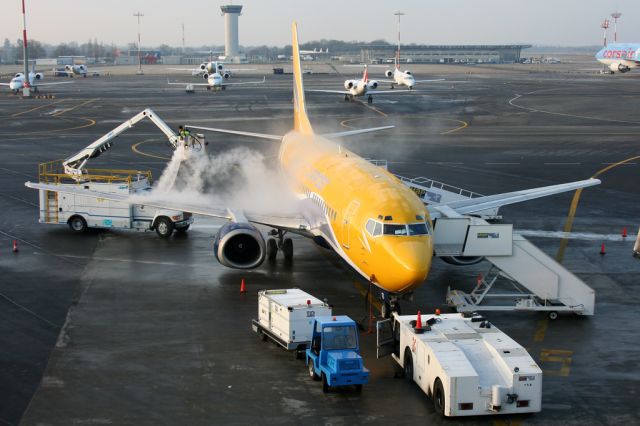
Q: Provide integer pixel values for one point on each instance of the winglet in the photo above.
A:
(300, 119)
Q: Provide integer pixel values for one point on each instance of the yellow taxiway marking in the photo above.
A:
(36, 108)
(135, 149)
(376, 110)
(463, 124)
(64, 111)
(541, 330)
(560, 356)
(568, 225)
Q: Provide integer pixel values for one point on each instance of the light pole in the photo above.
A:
(615, 16)
(26, 83)
(604, 26)
(139, 72)
(398, 14)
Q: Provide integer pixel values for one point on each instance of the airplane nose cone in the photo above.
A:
(412, 261)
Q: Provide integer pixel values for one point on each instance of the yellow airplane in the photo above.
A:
(365, 214)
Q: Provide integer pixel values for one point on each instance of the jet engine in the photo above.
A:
(203, 66)
(349, 84)
(389, 73)
(226, 75)
(82, 68)
(68, 68)
(372, 84)
(239, 246)
(618, 67)
(39, 76)
(462, 260)
(205, 76)
(219, 67)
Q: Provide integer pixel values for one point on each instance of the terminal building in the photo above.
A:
(449, 54)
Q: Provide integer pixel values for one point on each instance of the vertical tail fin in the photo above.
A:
(300, 119)
(365, 74)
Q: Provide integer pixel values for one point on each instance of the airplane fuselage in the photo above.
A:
(215, 80)
(370, 218)
(620, 57)
(404, 78)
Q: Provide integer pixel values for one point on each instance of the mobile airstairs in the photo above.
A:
(536, 282)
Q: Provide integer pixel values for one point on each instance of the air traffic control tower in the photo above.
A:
(231, 13)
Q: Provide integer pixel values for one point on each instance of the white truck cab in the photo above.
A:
(467, 365)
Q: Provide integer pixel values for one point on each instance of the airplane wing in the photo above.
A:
(245, 82)
(292, 222)
(51, 84)
(279, 138)
(388, 92)
(186, 84)
(473, 205)
(341, 92)
(425, 81)
(4, 84)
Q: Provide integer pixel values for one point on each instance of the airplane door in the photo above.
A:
(346, 223)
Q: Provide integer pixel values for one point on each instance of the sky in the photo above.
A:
(539, 22)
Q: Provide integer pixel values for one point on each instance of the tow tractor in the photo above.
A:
(463, 362)
(334, 355)
(82, 212)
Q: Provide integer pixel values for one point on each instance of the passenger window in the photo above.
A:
(377, 230)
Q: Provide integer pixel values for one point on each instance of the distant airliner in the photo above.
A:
(620, 57)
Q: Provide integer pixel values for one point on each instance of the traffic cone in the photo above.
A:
(242, 289)
(15, 246)
(602, 250)
(437, 311)
(418, 322)
(624, 232)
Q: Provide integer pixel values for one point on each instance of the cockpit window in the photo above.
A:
(397, 230)
(377, 230)
(371, 224)
(408, 72)
(418, 229)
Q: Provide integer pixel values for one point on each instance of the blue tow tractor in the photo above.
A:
(334, 355)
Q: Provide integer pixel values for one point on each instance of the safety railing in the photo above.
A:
(53, 172)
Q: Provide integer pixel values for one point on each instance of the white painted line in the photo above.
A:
(585, 236)
(562, 164)
(510, 164)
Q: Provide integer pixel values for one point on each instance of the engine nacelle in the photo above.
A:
(68, 68)
(205, 76)
(239, 246)
(82, 68)
(617, 67)
(203, 66)
(372, 84)
(219, 67)
(39, 76)
(226, 75)
(389, 73)
(349, 84)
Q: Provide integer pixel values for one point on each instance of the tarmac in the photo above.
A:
(115, 327)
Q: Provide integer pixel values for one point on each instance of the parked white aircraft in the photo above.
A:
(361, 87)
(315, 51)
(404, 78)
(79, 70)
(18, 82)
(212, 67)
(215, 82)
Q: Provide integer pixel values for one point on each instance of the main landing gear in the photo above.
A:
(369, 99)
(278, 242)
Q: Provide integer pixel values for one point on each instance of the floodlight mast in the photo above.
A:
(26, 82)
(604, 26)
(398, 14)
(615, 16)
(138, 15)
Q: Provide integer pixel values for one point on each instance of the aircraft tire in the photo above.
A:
(287, 248)
(272, 249)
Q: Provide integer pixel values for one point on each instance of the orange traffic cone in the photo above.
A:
(437, 311)
(242, 289)
(602, 250)
(418, 322)
(624, 232)
(15, 246)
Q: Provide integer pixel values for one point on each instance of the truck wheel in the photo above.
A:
(438, 397)
(359, 388)
(164, 227)
(272, 249)
(408, 366)
(312, 371)
(287, 248)
(325, 384)
(78, 224)
(553, 315)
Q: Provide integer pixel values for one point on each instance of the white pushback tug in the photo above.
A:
(467, 365)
